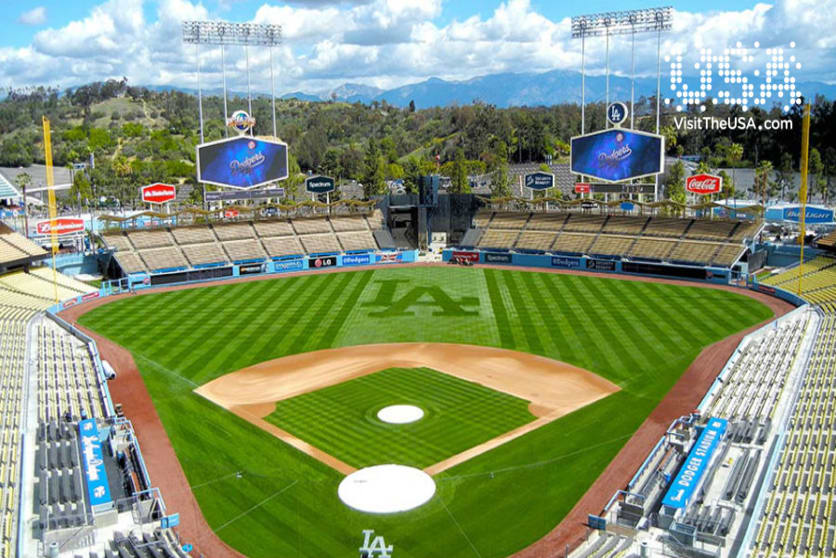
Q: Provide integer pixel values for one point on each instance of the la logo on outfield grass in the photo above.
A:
(377, 549)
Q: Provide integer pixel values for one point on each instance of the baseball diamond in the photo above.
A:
(265, 497)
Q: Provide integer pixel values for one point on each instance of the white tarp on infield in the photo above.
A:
(386, 489)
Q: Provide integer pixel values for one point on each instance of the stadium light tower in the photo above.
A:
(622, 23)
(224, 33)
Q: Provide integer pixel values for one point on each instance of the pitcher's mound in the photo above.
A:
(400, 414)
(386, 489)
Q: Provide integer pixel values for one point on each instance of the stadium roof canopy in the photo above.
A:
(7, 191)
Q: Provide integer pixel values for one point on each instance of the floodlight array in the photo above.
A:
(623, 22)
(226, 33)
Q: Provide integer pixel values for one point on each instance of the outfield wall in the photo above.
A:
(719, 275)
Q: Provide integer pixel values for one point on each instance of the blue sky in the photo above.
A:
(384, 43)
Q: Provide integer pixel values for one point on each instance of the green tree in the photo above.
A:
(500, 184)
(80, 189)
(675, 183)
(816, 173)
(785, 172)
(374, 174)
(762, 183)
(733, 154)
(460, 183)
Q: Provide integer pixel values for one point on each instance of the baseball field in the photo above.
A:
(265, 463)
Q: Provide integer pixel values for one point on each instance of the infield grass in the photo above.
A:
(342, 419)
(641, 336)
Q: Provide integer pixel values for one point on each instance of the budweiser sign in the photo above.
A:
(63, 226)
(158, 193)
(704, 184)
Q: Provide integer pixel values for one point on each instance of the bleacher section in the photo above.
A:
(664, 239)
(799, 516)
(16, 248)
(201, 245)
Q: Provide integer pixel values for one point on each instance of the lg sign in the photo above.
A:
(704, 184)
(158, 193)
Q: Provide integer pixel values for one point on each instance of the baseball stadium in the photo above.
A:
(582, 368)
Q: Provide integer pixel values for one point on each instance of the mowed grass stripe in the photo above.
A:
(348, 303)
(506, 335)
(558, 334)
(528, 327)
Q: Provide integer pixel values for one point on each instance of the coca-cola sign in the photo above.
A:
(63, 226)
(158, 193)
(704, 184)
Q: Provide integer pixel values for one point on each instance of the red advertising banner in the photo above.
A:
(63, 226)
(582, 188)
(230, 213)
(158, 193)
(472, 257)
(90, 296)
(704, 184)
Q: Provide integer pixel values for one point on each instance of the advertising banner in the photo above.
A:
(388, 257)
(319, 184)
(472, 257)
(260, 194)
(63, 226)
(688, 479)
(357, 259)
(582, 188)
(251, 268)
(812, 216)
(241, 162)
(565, 261)
(289, 265)
(319, 263)
(600, 265)
(158, 193)
(539, 180)
(627, 206)
(92, 458)
(90, 296)
(614, 155)
(497, 258)
(704, 184)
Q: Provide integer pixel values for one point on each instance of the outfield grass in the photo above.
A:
(342, 419)
(641, 336)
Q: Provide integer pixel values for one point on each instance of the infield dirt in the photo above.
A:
(553, 388)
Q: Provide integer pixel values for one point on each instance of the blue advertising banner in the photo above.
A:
(242, 162)
(357, 259)
(812, 215)
(682, 489)
(497, 258)
(539, 180)
(565, 261)
(92, 458)
(614, 155)
(627, 206)
(291, 265)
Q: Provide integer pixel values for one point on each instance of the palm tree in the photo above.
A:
(23, 180)
(734, 153)
(122, 168)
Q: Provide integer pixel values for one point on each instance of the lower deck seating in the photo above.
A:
(320, 243)
(651, 249)
(536, 240)
(282, 246)
(241, 250)
(574, 242)
(163, 258)
(498, 238)
(357, 240)
(202, 254)
(693, 252)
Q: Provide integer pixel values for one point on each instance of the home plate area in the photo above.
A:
(386, 489)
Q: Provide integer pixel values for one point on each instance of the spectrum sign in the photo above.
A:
(241, 162)
(63, 226)
(704, 184)
(158, 193)
(614, 155)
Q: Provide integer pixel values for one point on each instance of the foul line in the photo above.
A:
(453, 517)
(258, 505)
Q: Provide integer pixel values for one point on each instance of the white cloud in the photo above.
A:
(35, 16)
(387, 43)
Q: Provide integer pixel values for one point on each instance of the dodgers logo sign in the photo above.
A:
(241, 162)
(617, 113)
(614, 155)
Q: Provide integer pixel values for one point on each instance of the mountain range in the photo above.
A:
(505, 90)
(518, 89)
